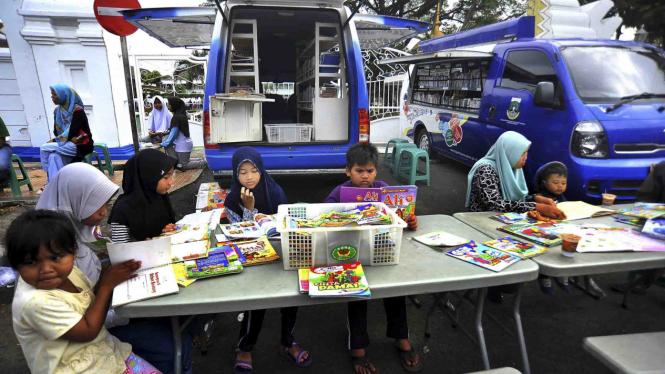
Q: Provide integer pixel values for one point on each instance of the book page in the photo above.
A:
(189, 251)
(149, 283)
(575, 210)
(151, 253)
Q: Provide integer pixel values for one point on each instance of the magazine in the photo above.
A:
(544, 233)
(214, 265)
(263, 225)
(575, 210)
(255, 252)
(516, 247)
(440, 239)
(483, 256)
(346, 280)
(156, 276)
(511, 218)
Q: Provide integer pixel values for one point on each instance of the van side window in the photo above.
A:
(525, 69)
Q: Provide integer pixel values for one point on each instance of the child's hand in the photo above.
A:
(544, 200)
(247, 198)
(119, 273)
(412, 222)
(550, 211)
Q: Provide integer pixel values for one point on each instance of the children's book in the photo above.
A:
(210, 218)
(575, 210)
(346, 280)
(359, 195)
(303, 280)
(212, 266)
(255, 252)
(544, 233)
(189, 251)
(516, 247)
(263, 225)
(483, 256)
(211, 196)
(616, 240)
(401, 199)
(643, 211)
(440, 239)
(181, 274)
(654, 228)
(511, 218)
(156, 276)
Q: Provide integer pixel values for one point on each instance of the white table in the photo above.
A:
(629, 354)
(420, 270)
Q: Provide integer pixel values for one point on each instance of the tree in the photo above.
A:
(191, 72)
(638, 13)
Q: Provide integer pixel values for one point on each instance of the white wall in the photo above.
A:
(11, 107)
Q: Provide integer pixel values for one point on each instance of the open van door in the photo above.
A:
(376, 31)
(175, 27)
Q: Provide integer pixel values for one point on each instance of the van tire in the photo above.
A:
(424, 142)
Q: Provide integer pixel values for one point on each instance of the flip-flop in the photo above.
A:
(240, 366)
(363, 361)
(296, 360)
(409, 356)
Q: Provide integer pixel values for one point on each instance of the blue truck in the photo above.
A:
(597, 105)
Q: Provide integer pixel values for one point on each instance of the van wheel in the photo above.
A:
(424, 142)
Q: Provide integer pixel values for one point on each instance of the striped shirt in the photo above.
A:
(120, 233)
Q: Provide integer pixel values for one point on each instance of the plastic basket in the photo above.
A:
(329, 58)
(305, 248)
(289, 132)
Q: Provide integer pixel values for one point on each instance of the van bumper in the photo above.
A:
(588, 179)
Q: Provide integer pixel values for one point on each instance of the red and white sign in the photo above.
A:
(108, 15)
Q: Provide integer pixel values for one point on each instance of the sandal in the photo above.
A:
(241, 367)
(363, 361)
(409, 356)
(284, 351)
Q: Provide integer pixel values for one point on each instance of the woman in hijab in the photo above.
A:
(179, 145)
(159, 121)
(496, 181)
(254, 191)
(144, 208)
(73, 138)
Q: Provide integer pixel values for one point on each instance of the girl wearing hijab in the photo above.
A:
(144, 208)
(254, 191)
(159, 121)
(73, 138)
(496, 181)
(179, 145)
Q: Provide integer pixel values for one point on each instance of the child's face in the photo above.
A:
(165, 184)
(362, 175)
(556, 184)
(248, 175)
(158, 104)
(97, 217)
(47, 271)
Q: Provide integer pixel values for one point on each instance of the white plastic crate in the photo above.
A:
(309, 247)
(289, 132)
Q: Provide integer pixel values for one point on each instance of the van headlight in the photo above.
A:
(589, 140)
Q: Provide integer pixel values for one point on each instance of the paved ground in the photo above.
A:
(554, 325)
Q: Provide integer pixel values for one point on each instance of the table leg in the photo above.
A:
(428, 320)
(177, 344)
(482, 292)
(520, 332)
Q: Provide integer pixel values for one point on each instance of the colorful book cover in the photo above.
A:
(646, 211)
(213, 265)
(346, 280)
(256, 252)
(655, 228)
(516, 247)
(483, 256)
(402, 199)
(303, 280)
(359, 195)
(216, 199)
(181, 275)
(510, 218)
(544, 233)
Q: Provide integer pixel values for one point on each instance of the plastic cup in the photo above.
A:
(569, 244)
(608, 199)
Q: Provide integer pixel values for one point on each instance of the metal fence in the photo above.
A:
(384, 97)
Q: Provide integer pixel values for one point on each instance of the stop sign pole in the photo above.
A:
(109, 17)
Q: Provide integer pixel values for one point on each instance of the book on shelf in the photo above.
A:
(483, 256)
(345, 280)
(516, 247)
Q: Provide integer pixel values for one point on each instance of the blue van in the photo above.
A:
(598, 106)
(315, 44)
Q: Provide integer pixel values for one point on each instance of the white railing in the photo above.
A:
(384, 97)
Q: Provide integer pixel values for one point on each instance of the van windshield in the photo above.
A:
(605, 74)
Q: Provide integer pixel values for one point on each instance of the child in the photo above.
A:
(254, 191)
(179, 145)
(159, 121)
(361, 162)
(551, 180)
(57, 318)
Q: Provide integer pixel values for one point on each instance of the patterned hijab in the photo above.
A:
(68, 101)
(503, 156)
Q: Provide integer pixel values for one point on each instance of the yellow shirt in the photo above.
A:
(41, 317)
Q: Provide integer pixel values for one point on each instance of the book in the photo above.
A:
(181, 274)
(189, 251)
(214, 265)
(643, 211)
(303, 280)
(263, 225)
(544, 233)
(483, 256)
(440, 239)
(511, 218)
(654, 228)
(575, 210)
(401, 199)
(156, 276)
(210, 218)
(359, 195)
(255, 252)
(345, 280)
(516, 247)
(211, 196)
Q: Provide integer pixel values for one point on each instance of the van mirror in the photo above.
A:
(544, 96)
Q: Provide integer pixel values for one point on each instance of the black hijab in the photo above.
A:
(653, 188)
(268, 195)
(179, 119)
(144, 211)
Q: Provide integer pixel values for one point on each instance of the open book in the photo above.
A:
(575, 210)
(263, 225)
(440, 239)
(155, 277)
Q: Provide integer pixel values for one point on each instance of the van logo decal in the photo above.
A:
(344, 252)
(452, 129)
(514, 109)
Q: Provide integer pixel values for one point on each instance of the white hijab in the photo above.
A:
(78, 191)
(159, 120)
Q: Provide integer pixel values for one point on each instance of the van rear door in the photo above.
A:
(175, 27)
